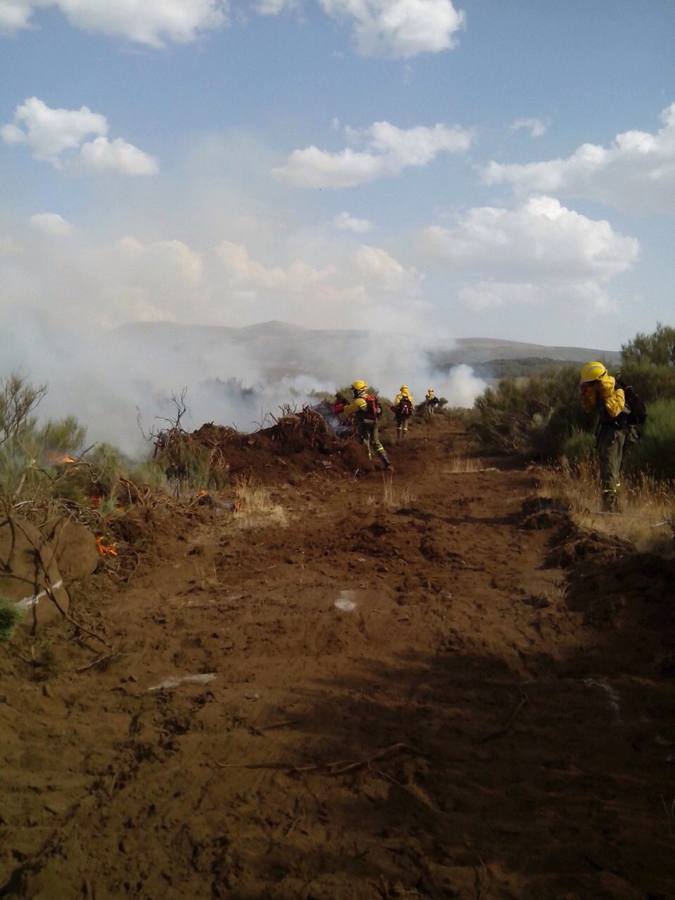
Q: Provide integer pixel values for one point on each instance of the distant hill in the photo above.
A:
(280, 349)
(486, 350)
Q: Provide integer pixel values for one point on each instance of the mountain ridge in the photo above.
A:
(268, 340)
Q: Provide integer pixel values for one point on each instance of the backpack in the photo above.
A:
(637, 411)
(374, 408)
(405, 407)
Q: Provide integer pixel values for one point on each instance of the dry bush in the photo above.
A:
(646, 516)
(254, 507)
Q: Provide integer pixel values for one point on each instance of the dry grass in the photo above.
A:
(254, 507)
(394, 498)
(465, 464)
(647, 507)
(391, 499)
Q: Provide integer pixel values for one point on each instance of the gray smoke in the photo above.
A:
(109, 379)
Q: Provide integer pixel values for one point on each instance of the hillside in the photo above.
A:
(280, 349)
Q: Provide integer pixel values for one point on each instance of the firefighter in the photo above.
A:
(403, 408)
(430, 401)
(365, 408)
(600, 394)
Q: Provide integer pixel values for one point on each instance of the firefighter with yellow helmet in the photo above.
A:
(365, 409)
(431, 401)
(403, 408)
(601, 394)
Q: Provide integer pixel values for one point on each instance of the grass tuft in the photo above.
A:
(646, 515)
(254, 507)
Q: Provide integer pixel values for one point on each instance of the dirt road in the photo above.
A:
(409, 699)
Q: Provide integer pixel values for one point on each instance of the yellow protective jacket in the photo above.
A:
(358, 405)
(401, 395)
(603, 396)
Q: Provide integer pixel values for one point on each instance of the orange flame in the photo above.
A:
(60, 459)
(105, 549)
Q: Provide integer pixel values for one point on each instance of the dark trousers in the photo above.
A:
(611, 446)
(369, 434)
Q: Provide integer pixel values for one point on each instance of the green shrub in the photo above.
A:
(533, 416)
(655, 453)
(651, 380)
(579, 447)
(62, 436)
(108, 464)
(657, 348)
(29, 451)
(150, 474)
(9, 618)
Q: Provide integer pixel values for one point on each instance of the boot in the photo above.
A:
(386, 462)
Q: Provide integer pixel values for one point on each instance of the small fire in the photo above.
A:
(105, 549)
(62, 459)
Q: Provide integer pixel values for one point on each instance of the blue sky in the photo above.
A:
(384, 163)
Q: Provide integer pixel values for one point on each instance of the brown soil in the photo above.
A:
(475, 722)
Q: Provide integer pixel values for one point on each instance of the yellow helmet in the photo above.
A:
(404, 388)
(592, 371)
(359, 386)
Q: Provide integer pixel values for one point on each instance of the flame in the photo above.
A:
(105, 549)
(62, 459)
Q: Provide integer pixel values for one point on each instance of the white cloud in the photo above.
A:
(378, 268)
(388, 150)
(539, 236)
(48, 132)
(52, 134)
(534, 253)
(14, 15)
(488, 294)
(151, 22)
(245, 271)
(152, 280)
(51, 223)
(637, 171)
(118, 156)
(274, 7)
(399, 29)
(368, 280)
(346, 222)
(536, 127)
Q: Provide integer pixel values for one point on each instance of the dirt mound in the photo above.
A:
(296, 443)
(573, 544)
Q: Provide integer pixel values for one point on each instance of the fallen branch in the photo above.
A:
(341, 767)
(107, 657)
